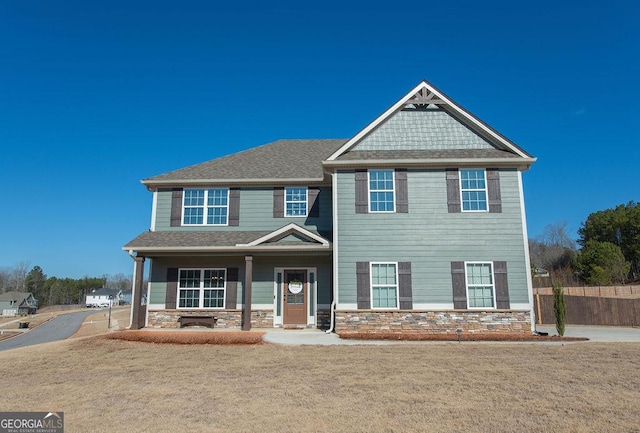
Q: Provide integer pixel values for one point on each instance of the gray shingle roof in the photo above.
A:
(282, 159)
(179, 239)
(14, 296)
(201, 239)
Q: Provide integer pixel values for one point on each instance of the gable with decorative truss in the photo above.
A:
(425, 119)
(290, 234)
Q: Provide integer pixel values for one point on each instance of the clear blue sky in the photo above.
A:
(97, 95)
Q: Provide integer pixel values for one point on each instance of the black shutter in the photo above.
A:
(459, 286)
(493, 190)
(502, 285)
(172, 289)
(231, 300)
(402, 194)
(234, 206)
(176, 207)
(278, 202)
(362, 190)
(404, 286)
(453, 190)
(314, 202)
(363, 282)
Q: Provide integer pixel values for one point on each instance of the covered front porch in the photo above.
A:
(276, 279)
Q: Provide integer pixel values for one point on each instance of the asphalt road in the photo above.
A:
(58, 328)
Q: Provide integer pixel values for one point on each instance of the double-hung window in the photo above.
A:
(480, 285)
(384, 285)
(473, 188)
(295, 202)
(381, 191)
(201, 288)
(206, 207)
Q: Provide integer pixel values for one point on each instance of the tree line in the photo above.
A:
(54, 290)
(606, 252)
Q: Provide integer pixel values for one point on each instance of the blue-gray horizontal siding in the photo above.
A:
(422, 130)
(256, 213)
(431, 238)
(263, 274)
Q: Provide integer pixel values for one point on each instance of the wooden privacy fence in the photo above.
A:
(590, 310)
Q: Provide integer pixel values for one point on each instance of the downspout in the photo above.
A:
(527, 256)
(334, 195)
(332, 314)
(133, 287)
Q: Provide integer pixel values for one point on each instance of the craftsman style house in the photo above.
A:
(17, 303)
(416, 223)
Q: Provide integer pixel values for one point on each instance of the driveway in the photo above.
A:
(597, 334)
(58, 328)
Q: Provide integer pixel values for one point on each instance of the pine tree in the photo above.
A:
(559, 308)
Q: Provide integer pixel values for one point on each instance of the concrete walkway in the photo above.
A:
(315, 337)
(595, 334)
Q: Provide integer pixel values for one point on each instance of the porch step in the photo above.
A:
(294, 327)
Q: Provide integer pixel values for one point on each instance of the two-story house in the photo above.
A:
(416, 223)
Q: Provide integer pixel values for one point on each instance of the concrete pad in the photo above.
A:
(597, 334)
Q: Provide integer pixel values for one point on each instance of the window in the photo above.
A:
(381, 191)
(295, 202)
(384, 285)
(205, 207)
(480, 285)
(201, 288)
(473, 187)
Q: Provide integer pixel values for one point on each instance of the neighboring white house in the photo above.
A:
(100, 297)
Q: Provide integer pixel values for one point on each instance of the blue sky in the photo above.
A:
(95, 96)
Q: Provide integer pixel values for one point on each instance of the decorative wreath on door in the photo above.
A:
(295, 286)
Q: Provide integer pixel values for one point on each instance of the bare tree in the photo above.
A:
(5, 278)
(118, 281)
(14, 277)
(554, 251)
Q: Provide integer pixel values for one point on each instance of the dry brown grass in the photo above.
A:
(106, 385)
(98, 323)
(188, 337)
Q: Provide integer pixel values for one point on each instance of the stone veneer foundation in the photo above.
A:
(227, 319)
(434, 322)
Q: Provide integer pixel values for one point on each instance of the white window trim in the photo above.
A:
(493, 285)
(306, 203)
(371, 285)
(485, 189)
(393, 190)
(201, 288)
(206, 208)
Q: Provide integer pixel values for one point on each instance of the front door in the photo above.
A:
(295, 297)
